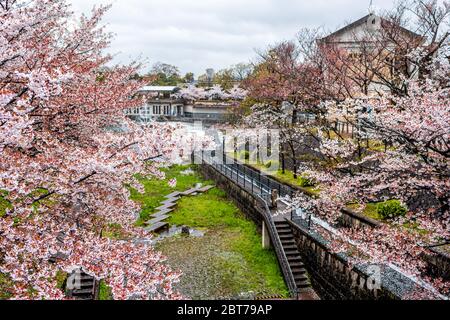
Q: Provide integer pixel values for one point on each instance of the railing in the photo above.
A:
(278, 247)
(249, 178)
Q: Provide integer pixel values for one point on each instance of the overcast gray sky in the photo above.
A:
(198, 34)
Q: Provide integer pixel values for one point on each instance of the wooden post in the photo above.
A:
(274, 198)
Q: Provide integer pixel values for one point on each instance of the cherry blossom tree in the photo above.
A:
(414, 170)
(193, 93)
(68, 152)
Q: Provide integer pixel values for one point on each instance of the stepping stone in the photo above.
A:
(188, 192)
(162, 212)
(156, 220)
(204, 189)
(171, 200)
(168, 202)
(173, 194)
(166, 206)
(157, 226)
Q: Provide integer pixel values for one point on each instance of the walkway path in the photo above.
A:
(158, 223)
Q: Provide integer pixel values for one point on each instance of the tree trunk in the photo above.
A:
(295, 168)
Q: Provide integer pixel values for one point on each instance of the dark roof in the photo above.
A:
(361, 21)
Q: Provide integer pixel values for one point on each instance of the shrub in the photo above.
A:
(61, 280)
(105, 291)
(391, 209)
(306, 182)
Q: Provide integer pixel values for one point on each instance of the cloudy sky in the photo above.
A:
(198, 34)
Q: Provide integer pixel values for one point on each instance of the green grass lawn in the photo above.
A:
(232, 244)
(156, 190)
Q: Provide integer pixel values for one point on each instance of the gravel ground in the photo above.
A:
(210, 269)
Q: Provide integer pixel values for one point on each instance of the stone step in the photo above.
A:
(175, 199)
(289, 246)
(204, 189)
(188, 192)
(291, 252)
(289, 243)
(303, 284)
(300, 277)
(157, 226)
(157, 219)
(283, 227)
(83, 277)
(166, 206)
(286, 237)
(77, 292)
(162, 212)
(173, 195)
(87, 285)
(295, 261)
(284, 231)
(298, 270)
(169, 202)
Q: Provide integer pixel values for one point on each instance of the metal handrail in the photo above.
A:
(278, 246)
(246, 171)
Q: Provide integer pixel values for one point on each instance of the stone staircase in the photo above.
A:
(85, 286)
(158, 223)
(293, 255)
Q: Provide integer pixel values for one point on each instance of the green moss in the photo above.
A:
(105, 291)
(156, 190)
(16, 221)
(113, 231)
(391, 209)
(370, 210)
(4, 203)
(6, 287)
(414, 227)
(61, 279)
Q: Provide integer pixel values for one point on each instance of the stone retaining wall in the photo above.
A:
(333, 277)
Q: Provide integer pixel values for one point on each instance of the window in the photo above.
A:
(167, 110)
(156, 109)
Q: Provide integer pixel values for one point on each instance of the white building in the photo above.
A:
(159, 103)
(162, 105)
